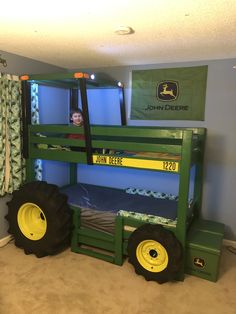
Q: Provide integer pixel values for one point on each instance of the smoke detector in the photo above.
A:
(124, 30)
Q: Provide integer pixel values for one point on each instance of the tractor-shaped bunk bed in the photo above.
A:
(163, 236)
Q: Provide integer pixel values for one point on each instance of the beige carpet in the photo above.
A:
(73, 283)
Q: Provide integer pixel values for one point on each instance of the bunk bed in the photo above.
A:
(158, 149)
(107, 221)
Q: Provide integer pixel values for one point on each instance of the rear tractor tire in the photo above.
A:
(155, 253)
(40, 219)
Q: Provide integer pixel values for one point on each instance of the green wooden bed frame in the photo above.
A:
(179, 150)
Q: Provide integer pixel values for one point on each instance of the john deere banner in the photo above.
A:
(169, 94)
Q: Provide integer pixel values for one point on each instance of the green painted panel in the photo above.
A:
(135, 146)
(67, 156)
(204, 241)
(57, 141)
(127, 131)
(55, 128)
(208, 226)
(96, 234)
(101, 244)
(202, 264)
(203, 249)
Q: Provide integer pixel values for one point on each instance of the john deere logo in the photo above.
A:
(199, 262)
(167, 91)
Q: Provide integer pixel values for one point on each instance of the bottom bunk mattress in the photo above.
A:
(99, 206)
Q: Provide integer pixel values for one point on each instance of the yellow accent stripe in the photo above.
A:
(164, 165)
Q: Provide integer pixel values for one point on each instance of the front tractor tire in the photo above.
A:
(155, 253)
(39, 219)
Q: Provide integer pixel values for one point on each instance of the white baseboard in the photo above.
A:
(229, 243)
(5, 240)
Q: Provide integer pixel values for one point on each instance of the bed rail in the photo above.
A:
(139, 147)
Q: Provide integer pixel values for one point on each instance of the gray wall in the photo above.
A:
(19, 65)
(220, 115)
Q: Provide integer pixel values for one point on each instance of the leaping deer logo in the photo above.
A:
(199, 262)
(167, 91)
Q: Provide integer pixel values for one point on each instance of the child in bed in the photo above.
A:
(76, 117)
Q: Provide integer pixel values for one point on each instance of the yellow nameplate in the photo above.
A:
(170, 166)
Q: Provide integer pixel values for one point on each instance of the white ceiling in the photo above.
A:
(80, 34)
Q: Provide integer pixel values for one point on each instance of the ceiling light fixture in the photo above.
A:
(124, 30)
(234, 67)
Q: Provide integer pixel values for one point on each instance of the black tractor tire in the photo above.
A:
(155, 253)
(40, 219)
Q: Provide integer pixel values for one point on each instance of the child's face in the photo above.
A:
(77, 118)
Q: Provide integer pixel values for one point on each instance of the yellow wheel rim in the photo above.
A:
(32, 221)
(152, 256)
